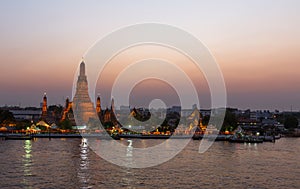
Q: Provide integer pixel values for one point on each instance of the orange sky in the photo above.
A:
(162, 65)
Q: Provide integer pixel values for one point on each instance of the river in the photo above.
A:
(64, 163)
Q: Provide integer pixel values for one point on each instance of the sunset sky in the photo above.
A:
(256, 44)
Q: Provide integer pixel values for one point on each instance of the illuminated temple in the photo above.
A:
(83, 110)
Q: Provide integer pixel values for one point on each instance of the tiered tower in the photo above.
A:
(84, 111)
(44, 108)
(98, 107)
(112, 108)
(68, 107)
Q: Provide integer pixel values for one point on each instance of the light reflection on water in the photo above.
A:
(69, 163)
(27, 162)
(128, 175)
(83, 174)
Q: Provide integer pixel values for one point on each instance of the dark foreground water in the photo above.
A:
(63, 163)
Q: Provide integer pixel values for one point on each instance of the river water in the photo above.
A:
(64, 163)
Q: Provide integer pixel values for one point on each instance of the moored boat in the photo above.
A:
(245, 139)
(18, 137)
(154, 136)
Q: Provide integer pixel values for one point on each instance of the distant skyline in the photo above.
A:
(256, 44)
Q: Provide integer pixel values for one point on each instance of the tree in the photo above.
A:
(291, 122)
(66, 124)
(6, 116)
(23, 124)
(230, 122)
(205, 120)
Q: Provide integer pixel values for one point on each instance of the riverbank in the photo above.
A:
(14, 136)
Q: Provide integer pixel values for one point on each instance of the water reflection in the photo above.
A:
(127, 173)
(67, 164)
(129, 150)
(27, 161)
(83, 173)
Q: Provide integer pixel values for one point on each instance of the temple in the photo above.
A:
(107, 116)
(84, 111)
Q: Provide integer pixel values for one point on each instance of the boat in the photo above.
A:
(101, 136)
(223, 137)
(245, 139)
(212, 137)
(77, 135)
(154, 136)
(18, 137)
(161, 136)
(268, 138)
(242, 137)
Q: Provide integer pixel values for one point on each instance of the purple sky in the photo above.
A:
(256, 44)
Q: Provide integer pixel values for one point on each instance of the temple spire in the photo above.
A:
(82, 69)
(98, 107)
(84, 110)
(112, 105)
(44, 108)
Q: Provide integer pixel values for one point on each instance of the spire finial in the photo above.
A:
(82, 68)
